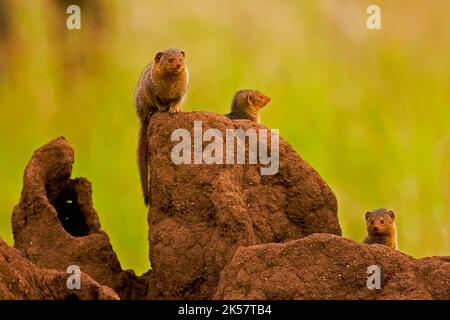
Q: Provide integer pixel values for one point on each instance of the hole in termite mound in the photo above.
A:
(70, 214)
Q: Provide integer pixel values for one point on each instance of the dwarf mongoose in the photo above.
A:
(161, 87)
(380, 226)
(246, 105)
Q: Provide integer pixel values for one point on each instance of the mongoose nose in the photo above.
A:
(375, 228)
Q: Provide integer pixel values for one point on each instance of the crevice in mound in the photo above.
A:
(70, 214)
(71, 297)
(193, 287)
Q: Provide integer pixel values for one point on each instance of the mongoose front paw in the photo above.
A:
(174, 109)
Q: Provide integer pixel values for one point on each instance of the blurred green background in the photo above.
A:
(368, 109)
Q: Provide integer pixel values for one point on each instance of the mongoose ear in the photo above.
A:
(250, 97)
(183, 54)
(391, 214)
(367, 215)
(158, 56)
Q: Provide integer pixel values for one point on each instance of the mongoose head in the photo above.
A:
(170, 61)
(380, 222)
(250, 99)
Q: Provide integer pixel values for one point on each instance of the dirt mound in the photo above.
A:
(221, 231)
(202, 213)
(323, 266)
(20, 279)
(55, 224)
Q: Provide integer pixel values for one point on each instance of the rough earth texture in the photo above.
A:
(21, 279)
(323, 266)
(216, 231)
(202, 213)
(55, 225)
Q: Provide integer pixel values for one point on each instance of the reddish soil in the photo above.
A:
(202, 213)
(215, 231)
(323, 266)
(21, 279)
(55, 225)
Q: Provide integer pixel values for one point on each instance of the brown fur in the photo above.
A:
(161, 87)
(381, 229)
(246, 105)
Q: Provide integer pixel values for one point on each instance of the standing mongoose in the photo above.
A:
(161, 87)
(246, 105)
(381, 229)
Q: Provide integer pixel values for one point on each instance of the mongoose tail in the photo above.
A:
(143, 161)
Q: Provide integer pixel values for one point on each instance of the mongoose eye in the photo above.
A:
(382, 221)
(170, 60)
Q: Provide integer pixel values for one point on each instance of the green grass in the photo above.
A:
(368, 109)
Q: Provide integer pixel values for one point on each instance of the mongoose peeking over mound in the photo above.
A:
(246, 105)
(381, 229)
(161, 87)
